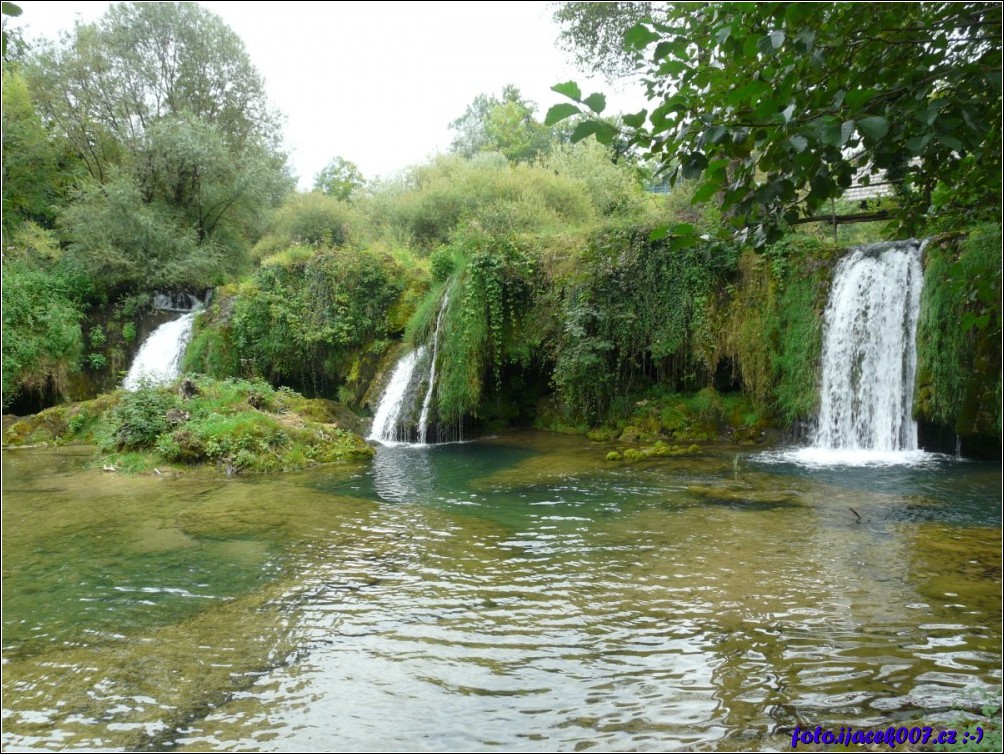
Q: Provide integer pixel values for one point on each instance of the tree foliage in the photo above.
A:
(340, 179)
(593, 33)
(144, 61)
(161, 105)
(506, 125)
(775, 106)
(33, 176)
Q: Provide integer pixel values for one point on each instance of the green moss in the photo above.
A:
(772, 326)
(959, 333)
(233, 425)
(613, 455)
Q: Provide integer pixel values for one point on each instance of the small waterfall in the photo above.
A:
(387, 427)
(423, 420)
(400, 418)
(159, 358)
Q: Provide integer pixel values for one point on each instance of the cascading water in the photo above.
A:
(395, 421)
(387, 427)
(423, 419)
(869, 359)
(159, 358)
(870, 350)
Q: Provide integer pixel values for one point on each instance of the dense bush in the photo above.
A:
(959, 333)
(291, 324)
(435, 199)
(772, 326)
(310, 220)
(483, 326)
(631, 314)
(44, 300)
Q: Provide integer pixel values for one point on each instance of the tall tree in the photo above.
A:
(32, 178)
(593, 34)
(340, 178)
(506, 125)
(165, 109)
(143, 61)
(773, 107)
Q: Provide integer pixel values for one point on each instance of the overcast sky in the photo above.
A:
(379, 83)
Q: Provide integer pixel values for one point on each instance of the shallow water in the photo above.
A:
(516, 593)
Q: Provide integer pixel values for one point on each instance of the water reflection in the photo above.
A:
(493, 596)
(404, 474)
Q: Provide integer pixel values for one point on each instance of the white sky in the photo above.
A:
(379, 82)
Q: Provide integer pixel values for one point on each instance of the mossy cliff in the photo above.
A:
(604, 331)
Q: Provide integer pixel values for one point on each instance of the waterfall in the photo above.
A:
(870, 350)
(387, 427)
(159, 358)
(400, 418)
(423, 421)
(869, 362)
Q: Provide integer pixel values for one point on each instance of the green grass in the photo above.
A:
(234, 425)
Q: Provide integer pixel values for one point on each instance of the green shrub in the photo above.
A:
(138, 419)
(42, 339)
(435, 199)
(959, 333)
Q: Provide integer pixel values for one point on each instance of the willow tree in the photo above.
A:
(162, 104)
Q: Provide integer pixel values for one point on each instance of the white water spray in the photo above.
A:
(395, 422)
(385, 427)
(869, 360)
(870, 350)
(159, 358)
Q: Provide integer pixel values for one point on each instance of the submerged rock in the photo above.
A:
(743, 494)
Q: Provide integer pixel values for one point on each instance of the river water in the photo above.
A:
(514, 593)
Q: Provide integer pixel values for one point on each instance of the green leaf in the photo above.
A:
(659, 233)
(693, 165)
(798, 143)
(722, 34)
(672, 68)
(569, 89)
(714, 134)
(917, 144)
(857, 97)
(603, 132)
(874, 126)
(583, 130)
(10, 9)
(560, 112)
(638, 37)
(949, 141)
(846, 131)
(770, 42)
(705, 192)
(596, 102)
(635, 120)
(834, 133)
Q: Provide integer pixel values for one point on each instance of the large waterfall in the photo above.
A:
(400, 418)
(869, 358)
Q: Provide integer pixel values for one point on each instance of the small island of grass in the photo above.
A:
(230, 425)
